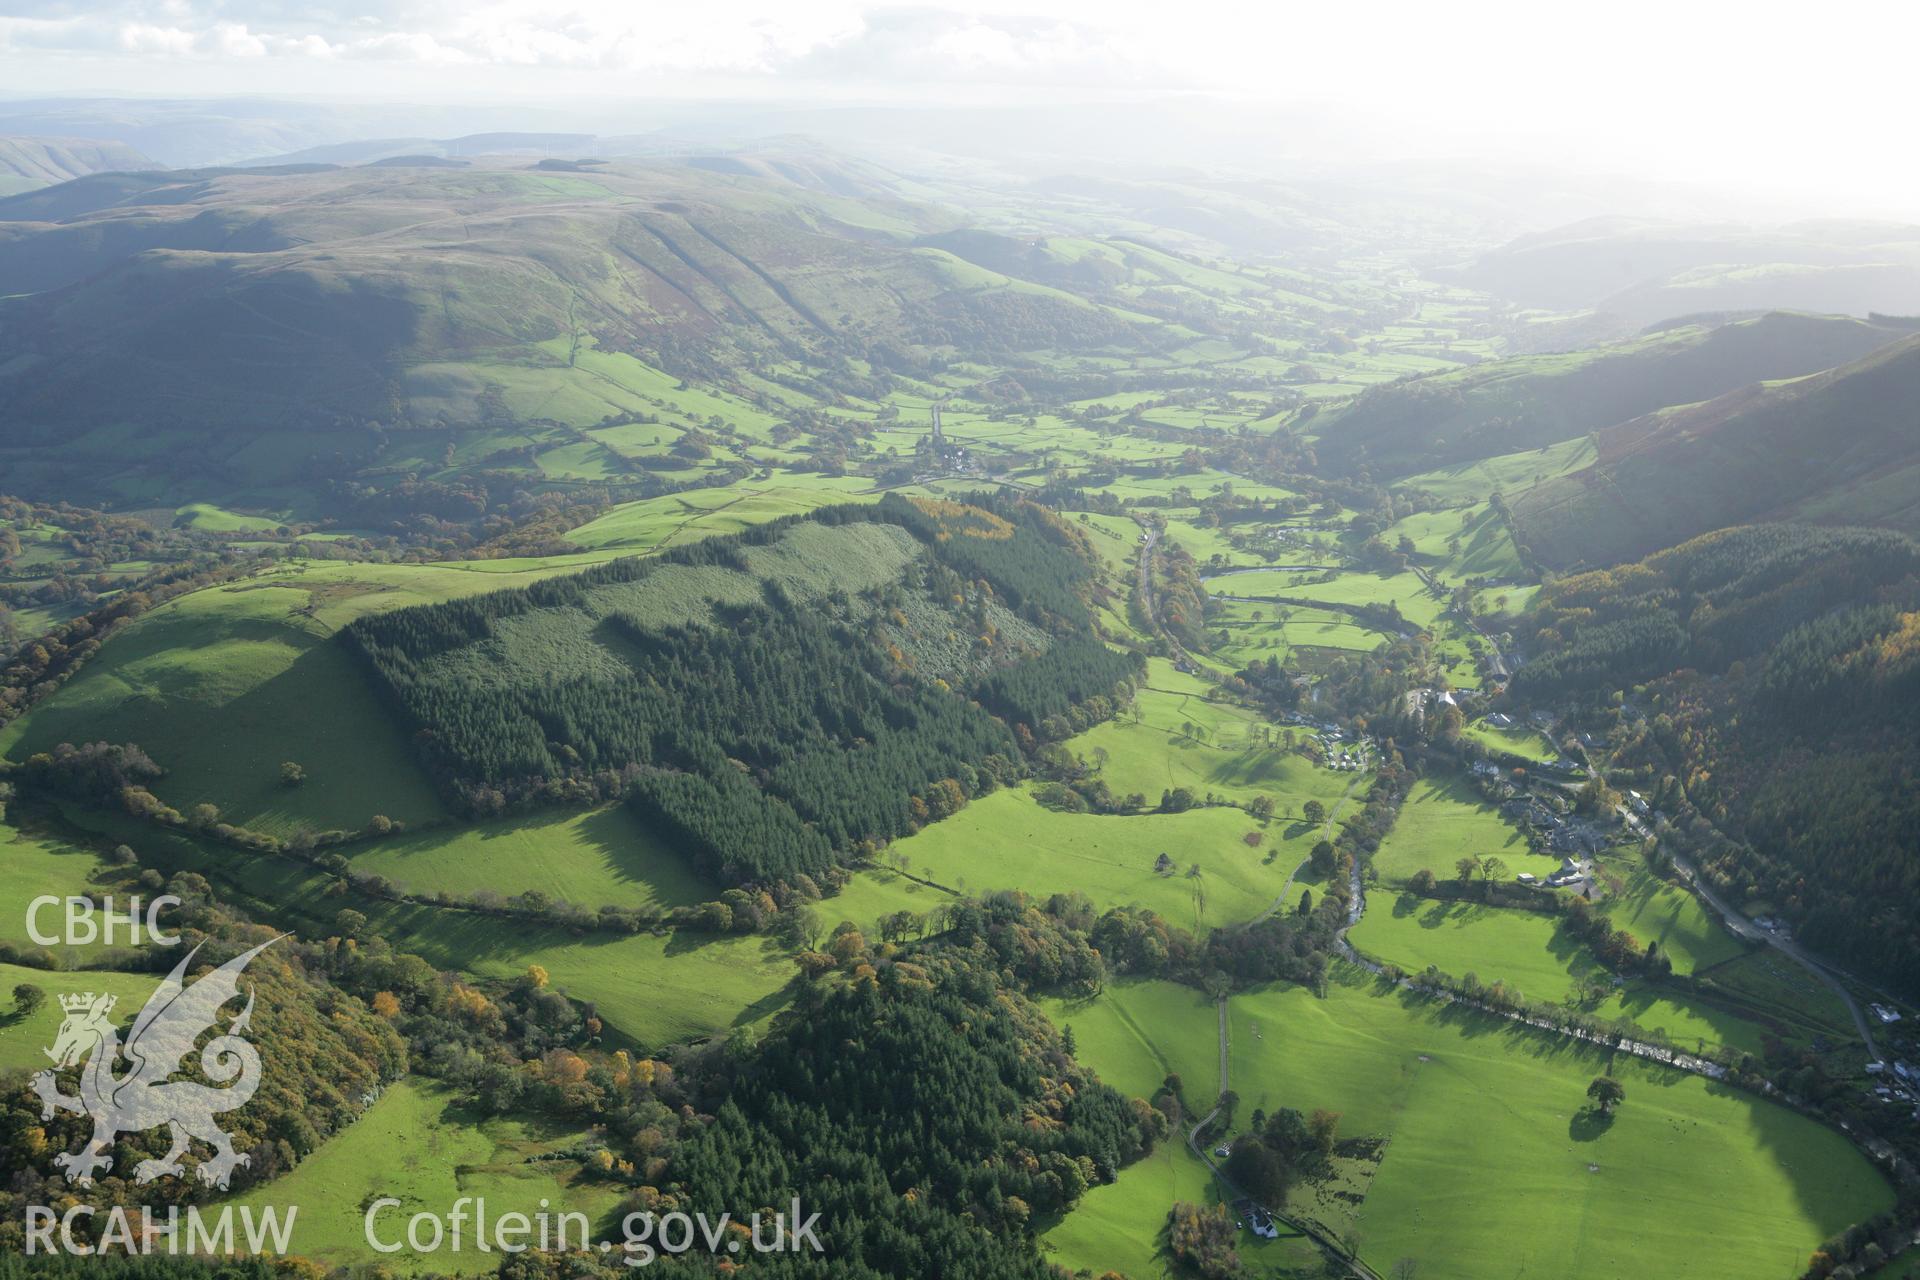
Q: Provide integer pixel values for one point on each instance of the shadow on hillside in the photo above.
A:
(767, 1004)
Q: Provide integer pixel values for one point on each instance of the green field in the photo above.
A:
(1484, 1129)
(33, 866)
(421, 1146)
(22, 1040)
(1460, 543)
(1210, 546)
(1777, 987)
(1136, 1032)
(1117, 1227)
(212, 519)
(1654, 911)
(652, 989)
(655, 523)
(1353, 588)
(1007, 841)
(1257, 631)
(1442, 821)
(1471, 481)
(41, 864)
(1517, 741)
(1532, 956)
(223, 685)
(1184, 739)
(589, 859)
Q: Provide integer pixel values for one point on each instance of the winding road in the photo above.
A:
(1742, 927)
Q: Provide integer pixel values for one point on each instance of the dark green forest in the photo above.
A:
(779, 734)
(1772, 673)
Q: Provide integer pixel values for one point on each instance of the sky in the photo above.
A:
(1807, 102)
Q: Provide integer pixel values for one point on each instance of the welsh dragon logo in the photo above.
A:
(157, 1048)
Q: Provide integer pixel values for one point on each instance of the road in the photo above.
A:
(1737, 923)
(1230, 1191)
(1280, 899)
(1744, 928)
(1150, 540)
(1741, 927)
(1499, 669)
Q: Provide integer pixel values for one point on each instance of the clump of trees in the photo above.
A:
(1289, 1147)
(1201, 1238)
(28, 999)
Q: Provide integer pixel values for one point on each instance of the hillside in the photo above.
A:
(29, 163)
(941, 694)
(1773, 671)
(374, 274)
(272, 331)
(1837, 447)
(1639, 272)
(1529, 402)
(767, 711)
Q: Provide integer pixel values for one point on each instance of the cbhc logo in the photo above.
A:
(87, 924)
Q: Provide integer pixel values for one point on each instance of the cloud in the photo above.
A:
(917, 45)
(146, 38)
(832, 40)
(723, 36)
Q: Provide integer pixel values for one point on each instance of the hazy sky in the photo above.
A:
(1813, 100)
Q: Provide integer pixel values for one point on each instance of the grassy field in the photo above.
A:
(1442, 821)
(1654, 911)
(1487, 1138)
(1119, 1227)
(1209, 545)
(654, 523)
(222, 685)
(876, 893)
(1470, 481)
(650, 989)
(1406, 590)
(1133, 1034)
(1137, 1032)
(589, 859)
(1516, 741)
(1007, 841)
(1183, 739)
(33, 866)
(1483, 1126)
(22, 1039)
(1781, 989)
(421, 1146)
(1257, 631)
(212, 519)
(1460, 543)
(1530, 955)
